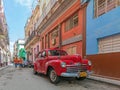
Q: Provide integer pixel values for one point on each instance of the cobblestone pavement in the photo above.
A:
(15, 79)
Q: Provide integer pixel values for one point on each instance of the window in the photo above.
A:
(103, 6)
(54, 34)
(119, 2)
(39, 55)
(109, 44)
(72, 50)
(37, 48)
(43, 54)
(71, 22)
(56, 53)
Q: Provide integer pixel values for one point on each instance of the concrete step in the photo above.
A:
(106, 80)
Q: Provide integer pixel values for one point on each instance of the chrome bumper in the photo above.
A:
(74, 74)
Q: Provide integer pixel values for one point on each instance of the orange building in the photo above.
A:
(64, 27)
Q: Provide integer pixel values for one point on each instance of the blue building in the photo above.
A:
(103, 37)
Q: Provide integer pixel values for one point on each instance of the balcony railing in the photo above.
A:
(33, 34)
(1, 27)
(46, 11)
(2, 43)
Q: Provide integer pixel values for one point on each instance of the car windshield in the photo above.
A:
(56, 53)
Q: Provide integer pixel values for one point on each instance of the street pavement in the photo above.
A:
(15, 79)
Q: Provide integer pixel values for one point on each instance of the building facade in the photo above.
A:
(4, 38)
(15, 49)
(20, 45)
(63, 27)
(103, 37)
(31, 37)
(60, 25)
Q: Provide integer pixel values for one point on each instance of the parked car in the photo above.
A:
(57, 63)
(30, 64)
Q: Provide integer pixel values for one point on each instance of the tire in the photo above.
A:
(34, 72)
(80, 78)
(53, 77)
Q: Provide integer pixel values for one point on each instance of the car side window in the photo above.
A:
(49, 53)
(43, 53)
(39, 55)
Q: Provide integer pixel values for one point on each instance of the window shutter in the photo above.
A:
(109, 44)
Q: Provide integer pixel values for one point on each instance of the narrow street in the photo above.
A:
(15, 79)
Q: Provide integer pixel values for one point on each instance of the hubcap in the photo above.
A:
(53, 75)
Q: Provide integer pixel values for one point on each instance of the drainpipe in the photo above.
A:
(84, 4)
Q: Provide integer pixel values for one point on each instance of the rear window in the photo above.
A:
(56, 53)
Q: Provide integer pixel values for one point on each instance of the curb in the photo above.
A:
(106, 80)
(2, 68)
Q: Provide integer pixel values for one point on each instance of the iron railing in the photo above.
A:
(33, 34)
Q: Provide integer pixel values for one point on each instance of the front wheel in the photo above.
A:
(53, 77)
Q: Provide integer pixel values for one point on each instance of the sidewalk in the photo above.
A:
(1, 68)
(106, 80)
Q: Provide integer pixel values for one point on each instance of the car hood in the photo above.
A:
(69, 59)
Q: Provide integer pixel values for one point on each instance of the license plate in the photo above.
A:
(83, 74)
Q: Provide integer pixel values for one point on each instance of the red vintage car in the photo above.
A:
(57, 63)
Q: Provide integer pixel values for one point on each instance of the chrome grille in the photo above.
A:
(74, 68)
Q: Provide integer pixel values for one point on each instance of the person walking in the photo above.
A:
(16, 62)
(20, 63)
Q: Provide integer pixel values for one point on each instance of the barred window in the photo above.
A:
(37, 48)
(71, 22)
(109, 44)
(54, 34)
(72, 50)
(103, 6)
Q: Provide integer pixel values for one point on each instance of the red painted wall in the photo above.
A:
(77, 44)
(71, 33)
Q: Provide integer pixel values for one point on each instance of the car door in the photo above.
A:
(43, 61)
(39, 62)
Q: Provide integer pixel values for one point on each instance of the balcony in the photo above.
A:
(2, 43)
(33, 37)
(45, 13)
(1, 27)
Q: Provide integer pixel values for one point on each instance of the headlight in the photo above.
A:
(89, 63)
(63, 64)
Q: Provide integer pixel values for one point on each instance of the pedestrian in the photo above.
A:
(20, 63)
(25, 63)
(16, 62)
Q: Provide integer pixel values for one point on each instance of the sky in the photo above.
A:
(17, 12)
